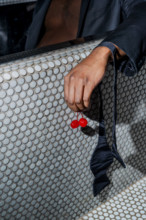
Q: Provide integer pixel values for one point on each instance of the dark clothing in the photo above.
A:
(125, 18)
(104, 155)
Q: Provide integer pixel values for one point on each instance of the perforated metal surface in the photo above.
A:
(11, 2)
(44, 164)
(129, 204)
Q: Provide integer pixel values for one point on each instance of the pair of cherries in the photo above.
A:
(76, 123)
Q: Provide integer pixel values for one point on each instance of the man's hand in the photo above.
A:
(81, 80)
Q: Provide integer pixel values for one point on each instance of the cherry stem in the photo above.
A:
(78, 115)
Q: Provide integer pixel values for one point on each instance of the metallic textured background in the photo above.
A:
(10, 2)
(127, 205)
(44, 164)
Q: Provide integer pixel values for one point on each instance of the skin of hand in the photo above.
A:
(80, 82)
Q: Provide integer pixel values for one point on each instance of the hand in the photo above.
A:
(81, 80)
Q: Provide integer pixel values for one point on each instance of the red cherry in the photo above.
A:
(74, 124)
(83, 122)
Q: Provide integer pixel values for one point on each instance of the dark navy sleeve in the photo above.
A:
(130, 36)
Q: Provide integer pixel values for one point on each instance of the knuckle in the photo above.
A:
(87, 80)
(90, 82)
(72, 77)
(80, 77)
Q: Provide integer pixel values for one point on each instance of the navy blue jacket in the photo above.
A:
(125, 18)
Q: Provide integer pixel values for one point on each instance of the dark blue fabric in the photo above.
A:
(102, 156)
(125, 18)
(130, 36)
(35, 28)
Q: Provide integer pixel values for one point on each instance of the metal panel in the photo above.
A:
(129, 204)
(11, 2)
(44, 164)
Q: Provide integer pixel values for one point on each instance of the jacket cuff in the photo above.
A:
(127, 65)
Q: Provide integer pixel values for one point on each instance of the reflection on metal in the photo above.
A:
(11, 2)
(44, 164)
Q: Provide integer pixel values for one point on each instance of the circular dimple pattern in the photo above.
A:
(44, 164)
(123, 206)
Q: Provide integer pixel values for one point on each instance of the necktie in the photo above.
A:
(103, 155)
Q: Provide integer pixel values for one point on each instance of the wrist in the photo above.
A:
(104, 53)
(120, 53)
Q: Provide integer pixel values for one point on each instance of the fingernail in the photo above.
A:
(87, 109)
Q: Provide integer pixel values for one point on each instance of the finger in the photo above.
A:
(66, 88)
(71, 94)
(87, 93)
(79, 88)
(73, 107)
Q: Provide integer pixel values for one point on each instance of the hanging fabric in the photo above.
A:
(103, 155)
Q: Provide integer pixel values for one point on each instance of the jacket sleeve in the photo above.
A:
(130, 36)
